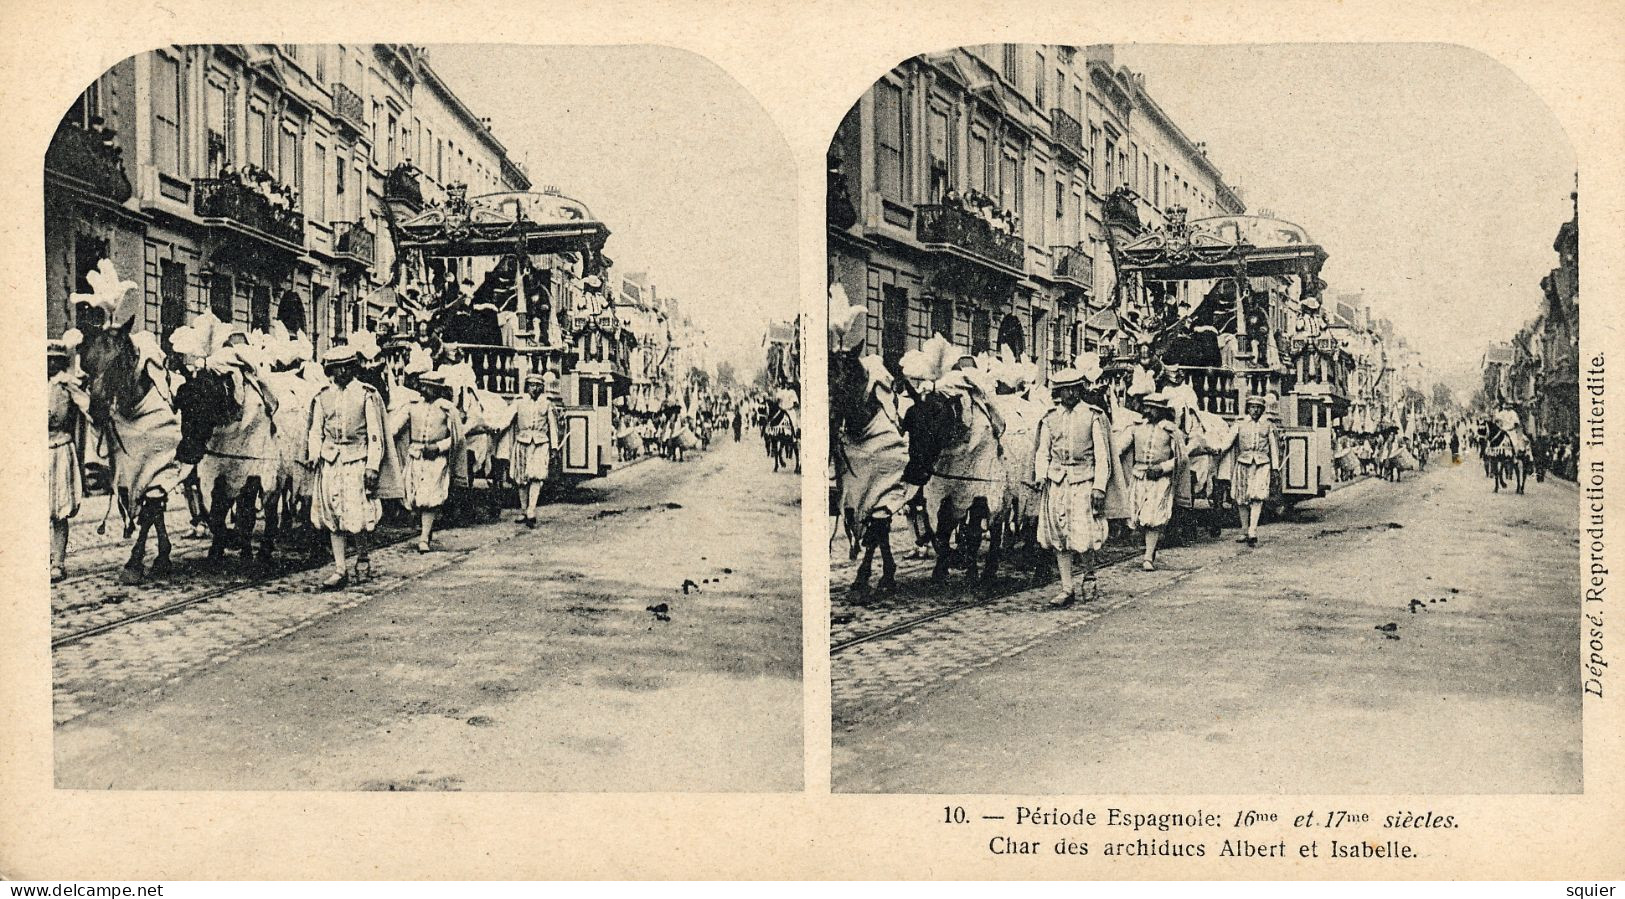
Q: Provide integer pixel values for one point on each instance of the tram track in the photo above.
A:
(169, 606)
(1108, 557)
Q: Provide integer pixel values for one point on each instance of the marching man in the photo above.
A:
(345, 444)
(1073, 465)
(1158, 449)
(69, 406)
(433, 429)
(1258, 457)
(535, 434)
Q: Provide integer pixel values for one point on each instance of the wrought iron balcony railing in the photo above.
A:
(401, 185)
(942, 225)
(1072, 264)
(232, 200)
(1067, 132)
(348, 106)
(90, 158)
(355, 241)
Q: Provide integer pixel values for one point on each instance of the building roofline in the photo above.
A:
(427, 73)
(1143, 99)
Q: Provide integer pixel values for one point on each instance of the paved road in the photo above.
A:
(507, 660)
(1256, 670)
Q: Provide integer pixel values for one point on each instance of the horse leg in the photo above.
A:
(219, 511)
(941, 539)
(860, 583)
(888, 565)
(970, 535)
(161, 564)
(246, 516)
(995, 539)
(273, 516)
(132, 573)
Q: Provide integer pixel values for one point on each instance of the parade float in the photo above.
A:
(1224, 308)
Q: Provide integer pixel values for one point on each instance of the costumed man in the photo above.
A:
(1156, 449)
(69, 409)
(535, 434)
(1258, 457)
(870, 473)
(345, 444)
(1073, 464)
(433, 430)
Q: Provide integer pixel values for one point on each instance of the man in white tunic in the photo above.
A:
(1258, 457)
(433, 429)
(535, 435)
(345, 444)
(1073, 465)
(1156, 449)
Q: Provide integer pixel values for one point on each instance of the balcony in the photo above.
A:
(89, 160)
(1074, 266)
(353, 241)
(349, 109)
(1068, 133)
(954, 228)
(228, 200)
(401, 186)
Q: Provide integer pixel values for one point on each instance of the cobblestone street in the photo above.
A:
(1428, 623)
(506, 659)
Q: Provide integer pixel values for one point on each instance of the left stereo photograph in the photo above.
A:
(417, 423)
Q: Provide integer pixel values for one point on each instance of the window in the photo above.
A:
(315, 192)
(893, 323)
(439, 160)
(981, 328)
(220, 293)
(1009, 182)
(166, 114)
(1111, 165)
(978, 162)
(389, 144)
(318, 303)
(1077, 102)
(942, 318)
(377, 122)
(172, 297)
(290, 163)
(889, 131)
(219, 148)
(1038, 81)
(339, 165)
(1060, 200)
(343, 69)
(259, 313)
(256, 136)
(1094, 144)
(1011, 63)
(321, 64)
(1037, 215)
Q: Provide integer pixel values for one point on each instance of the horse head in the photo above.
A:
(113, 375)
(205, 403)
(849, 402)
(933, 424)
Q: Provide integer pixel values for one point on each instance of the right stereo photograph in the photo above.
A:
(1203, 420)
